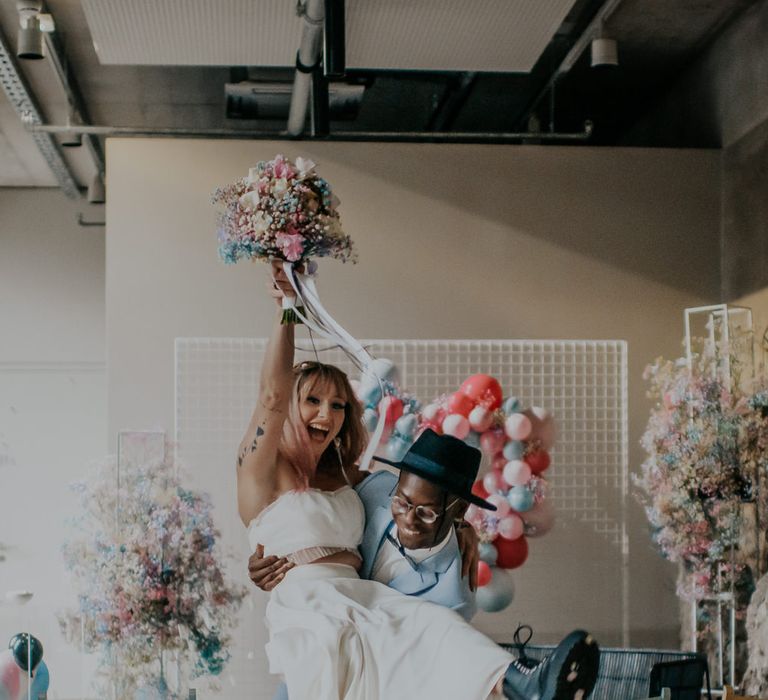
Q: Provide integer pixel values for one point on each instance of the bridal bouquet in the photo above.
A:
(281, 210)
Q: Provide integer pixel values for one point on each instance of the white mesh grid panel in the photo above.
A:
(582, 382)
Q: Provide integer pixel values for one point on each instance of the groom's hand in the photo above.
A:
(267, 572)
(468, 546)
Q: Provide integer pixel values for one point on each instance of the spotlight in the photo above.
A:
(30, 44)
(605, 52)
(96, 192)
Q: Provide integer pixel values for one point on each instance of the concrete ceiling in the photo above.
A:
(426, 65)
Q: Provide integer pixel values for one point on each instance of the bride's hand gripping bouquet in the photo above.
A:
(282, 211)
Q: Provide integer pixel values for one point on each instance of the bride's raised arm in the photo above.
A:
(257, 458)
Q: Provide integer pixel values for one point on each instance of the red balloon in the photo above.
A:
(484, 574)
(483, 390)
(512, 553)
(460, 403)
(538, 461)
(479, 490)
(392, 408)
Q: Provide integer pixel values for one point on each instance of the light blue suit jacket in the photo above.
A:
(436, 579)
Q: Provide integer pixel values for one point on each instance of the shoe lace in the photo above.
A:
(523, 659)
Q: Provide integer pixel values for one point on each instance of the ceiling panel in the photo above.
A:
(483, 35)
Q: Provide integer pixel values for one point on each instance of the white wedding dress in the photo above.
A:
(336, 636)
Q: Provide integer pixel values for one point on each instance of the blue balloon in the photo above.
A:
(488, 553)
(515, 449)
(396, 448)
(511, 405)
(520, 499)
(41, 681)
(370, 418)
(473, 439)
(407, 425)
(498, 593)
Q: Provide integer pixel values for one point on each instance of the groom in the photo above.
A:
(410, 541)
(410, 544)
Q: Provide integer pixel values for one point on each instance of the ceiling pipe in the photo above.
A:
(78, 111)
(312, 13)
(584, 40)
(24, 105)
(172, 132)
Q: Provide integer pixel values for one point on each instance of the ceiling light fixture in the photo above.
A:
(605, 52)
(30, 38)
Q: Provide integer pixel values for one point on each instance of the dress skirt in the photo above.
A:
(336, 636)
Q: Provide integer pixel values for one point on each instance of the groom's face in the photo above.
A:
(424, 498)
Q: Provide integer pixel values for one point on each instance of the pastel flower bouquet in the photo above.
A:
(282, 210)
(707, 446)
(149, 577)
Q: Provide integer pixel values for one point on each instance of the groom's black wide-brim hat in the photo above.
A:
(446, 462)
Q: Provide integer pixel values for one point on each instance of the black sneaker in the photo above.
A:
(570, 668)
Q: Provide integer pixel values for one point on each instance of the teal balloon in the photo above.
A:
(511, 405)
(498, 593)
(370, 395)
(370, 419)
(473, 439)
(407, 425)
(396, 448)
(520, 499)
(488, 553)
(41, 681)
(514, 449)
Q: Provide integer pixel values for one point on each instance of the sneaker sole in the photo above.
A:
(579, 671)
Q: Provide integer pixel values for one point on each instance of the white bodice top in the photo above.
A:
(309, 520)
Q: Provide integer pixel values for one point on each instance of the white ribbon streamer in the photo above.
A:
(317, 319)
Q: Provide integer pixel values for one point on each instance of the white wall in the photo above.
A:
(52, 406)
(455, 241)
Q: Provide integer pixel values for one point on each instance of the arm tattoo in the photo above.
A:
(249, 448)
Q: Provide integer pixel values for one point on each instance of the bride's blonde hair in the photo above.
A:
(295, 446)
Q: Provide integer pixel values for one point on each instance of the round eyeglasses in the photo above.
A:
(427, 515)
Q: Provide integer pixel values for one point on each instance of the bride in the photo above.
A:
(332, 634)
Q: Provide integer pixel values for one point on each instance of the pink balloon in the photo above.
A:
(480, 419)
(456, 425)
(516, 473)
(432, 413)
(518, 426)
(502, 507)
(511, 527)
(540, 519)
(492, 482)
(474, 515)
(492, 441)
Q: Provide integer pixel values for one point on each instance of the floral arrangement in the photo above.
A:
(149, 577)
(281, 210)
(516, 443)
(706, 442)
